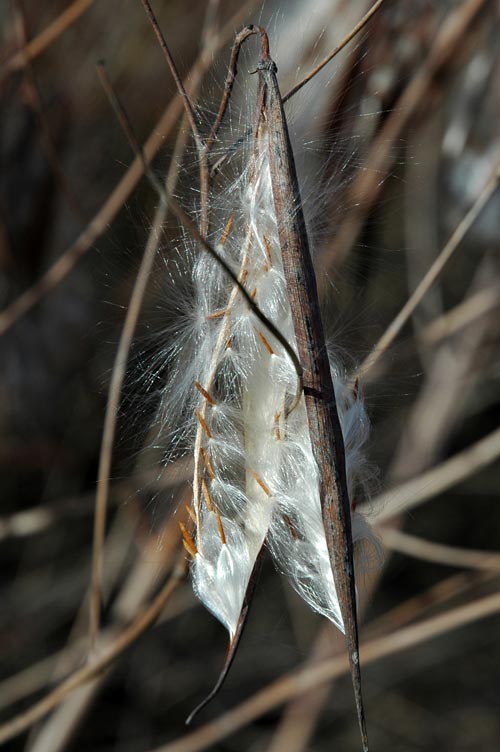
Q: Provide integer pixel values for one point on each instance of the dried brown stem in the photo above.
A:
(323, 421)
(186, 101)
(126, 337)
(462, 315)
(439, 553)
(439, 479)
(437, 595)
(108, 435)
(433, 273)
(191, 118)
(354, 32)
(40, 43)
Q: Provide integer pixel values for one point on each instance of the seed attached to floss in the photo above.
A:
(267, 247)
(293, 532)
(190, 512)
(187, 541)
(208, 464)
(261, 483)
(205, 394)
(227, 230)
(216, 314)
(203, 424)
(220, 526)
(206, 495)
(277, 429)
(265, 342)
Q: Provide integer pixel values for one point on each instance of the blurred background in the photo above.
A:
(395, 141)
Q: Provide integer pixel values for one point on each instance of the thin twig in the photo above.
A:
(359, 26)
(126, 337)
(439, 553)
(437, 595)
(460, 316)
(448, 324)
(132, 597)
(439, 479)
(40, 43)
(186, 101)
(201, 148)
(432, 274)
(108, 435)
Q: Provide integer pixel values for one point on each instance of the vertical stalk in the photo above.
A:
(322, 416)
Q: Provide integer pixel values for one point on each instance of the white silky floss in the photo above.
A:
(255, 477)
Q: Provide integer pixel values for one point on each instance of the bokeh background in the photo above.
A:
(395, 142)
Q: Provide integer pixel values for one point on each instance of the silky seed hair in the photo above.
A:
(227, 403)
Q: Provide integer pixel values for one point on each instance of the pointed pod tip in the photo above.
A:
(234, 638)
(231, 650)
(195, 712)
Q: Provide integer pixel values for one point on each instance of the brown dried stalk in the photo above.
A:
(440, 553)
(432, 274)
(438, 479)
(322, 416)
(40, 43)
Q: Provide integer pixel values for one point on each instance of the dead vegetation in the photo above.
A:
(408, 253)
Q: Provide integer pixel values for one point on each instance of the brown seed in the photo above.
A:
(265, 343)
(203, 423)
(227, 230)
(277, 429)
(204, 392)
(219, 525)
(187, 540)
(206, 494)
(208, 464)
(267, 246)
(261, 483)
